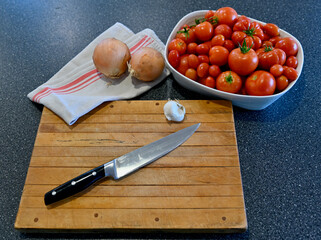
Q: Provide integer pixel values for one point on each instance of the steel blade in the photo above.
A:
(147, 154)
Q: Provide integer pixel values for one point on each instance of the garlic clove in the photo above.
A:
(174, 111)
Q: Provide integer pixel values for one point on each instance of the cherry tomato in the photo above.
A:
(186, 34)
(202, 48)
(257, 42)
(183, 64)
(191, 48)
(227, 15)
(269, 56)
(218, 55)
(271, 29)
(242, 24)
(173, 58)
(229, 81)
(292, 62)
(208, 81)
(218, 40)
(203, 59)
(260, 83)
(223, 29)
(281, 83)
(276, 70)
(238, 37)
(214, 71)
(290, 73)
(288, 45)
(204, 31)
(193, 61)
(274, 40)
(267, 44)
(229, 45)
(243, 60)
(177, 44)
(209, 15)
(202, 70)
(191, 73)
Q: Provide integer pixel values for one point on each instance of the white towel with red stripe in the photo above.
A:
(78, 87)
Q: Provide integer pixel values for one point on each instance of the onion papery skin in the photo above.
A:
(111, 57)
(147, 64)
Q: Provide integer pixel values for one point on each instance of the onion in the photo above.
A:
(147, 64)
(111, 57)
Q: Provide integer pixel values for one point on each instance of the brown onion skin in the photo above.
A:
(147, 64)
(111, 57)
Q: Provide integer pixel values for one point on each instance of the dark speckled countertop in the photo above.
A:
(279, 147)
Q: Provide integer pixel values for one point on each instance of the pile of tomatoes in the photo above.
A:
(234, 54)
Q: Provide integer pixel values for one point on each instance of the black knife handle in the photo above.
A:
(75, 185)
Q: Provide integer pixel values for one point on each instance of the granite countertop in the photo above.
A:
(279, 147)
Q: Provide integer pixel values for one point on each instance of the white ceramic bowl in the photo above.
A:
(243, 101)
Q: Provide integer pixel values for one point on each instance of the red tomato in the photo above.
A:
(269, 56)
(208, 81)
(281, 83)
(243, 60)
(292, 62)
(177, 44)
(209, 15)
(229, 45)
(288, 45)
(276, 70)
(218, 55)
(260, 83)
(242, 25)
(193, 61)
(204, 31)
(183, 64)
(257, 42)
(203, 59)
(186, 34)
(238, 37)
(223, 29)
(173, 58)
(229, 81)
(226, 15)
(214, 70)
(191, 48)
(274, 40)
(202, 48)
(191, 73)
(218, 40)
(202, 70)
(290, 73)
(271, 29)
(267, 44)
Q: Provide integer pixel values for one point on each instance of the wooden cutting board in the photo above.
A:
(196, 187)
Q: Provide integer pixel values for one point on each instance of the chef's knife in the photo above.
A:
(121, 166)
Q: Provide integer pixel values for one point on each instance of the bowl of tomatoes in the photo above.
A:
(222, 54)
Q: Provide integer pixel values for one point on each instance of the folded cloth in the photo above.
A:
(78, 87)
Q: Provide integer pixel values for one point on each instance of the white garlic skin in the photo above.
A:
(174, 111)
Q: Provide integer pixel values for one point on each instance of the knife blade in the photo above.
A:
(121, 166)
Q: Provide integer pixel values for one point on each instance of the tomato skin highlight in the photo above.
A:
(229, 81)
(243, 63)
(260, 83)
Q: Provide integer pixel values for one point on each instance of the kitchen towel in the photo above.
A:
(78, 87)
